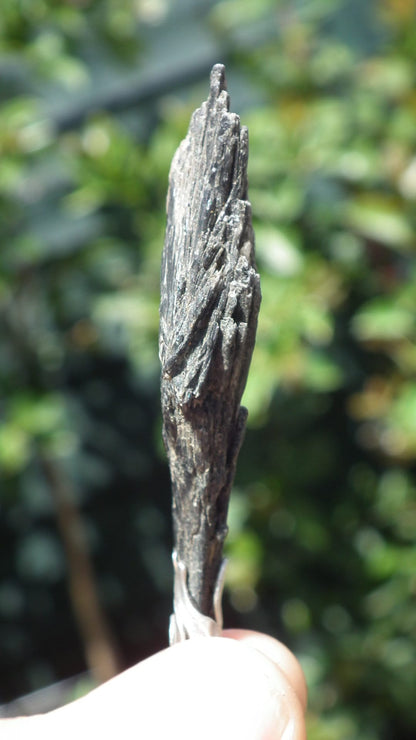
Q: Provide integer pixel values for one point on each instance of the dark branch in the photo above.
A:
(210, 297)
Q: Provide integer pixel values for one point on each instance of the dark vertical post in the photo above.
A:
(210, 298)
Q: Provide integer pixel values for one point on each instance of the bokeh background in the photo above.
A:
(95, 97)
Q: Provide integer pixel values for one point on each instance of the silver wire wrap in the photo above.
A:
(186, 621)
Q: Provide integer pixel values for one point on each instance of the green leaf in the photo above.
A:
(14, 448)
(321, 373)
(383, 319)
(278, 251)
(379, 219)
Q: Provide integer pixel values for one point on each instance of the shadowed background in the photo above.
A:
(95, 97)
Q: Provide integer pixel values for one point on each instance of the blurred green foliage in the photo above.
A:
(95, 97)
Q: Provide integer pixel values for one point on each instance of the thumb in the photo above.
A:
(201, 688)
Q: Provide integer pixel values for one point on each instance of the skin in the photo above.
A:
(242, 685)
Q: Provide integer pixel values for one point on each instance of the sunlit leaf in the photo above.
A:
(383, 319)
(378, 219)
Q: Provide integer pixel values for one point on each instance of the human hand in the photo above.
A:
(242, 686)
